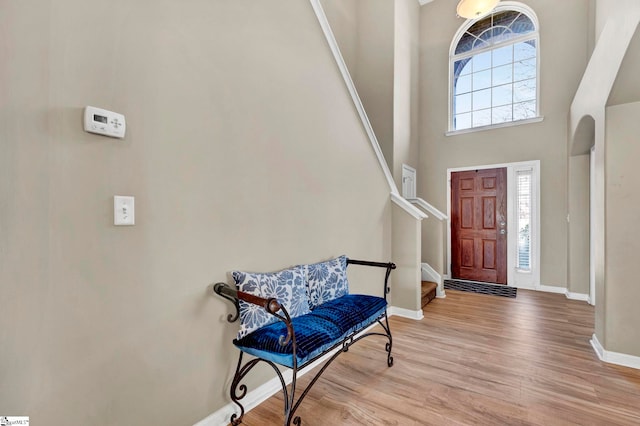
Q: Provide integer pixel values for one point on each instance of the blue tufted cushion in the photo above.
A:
(327, 281)
(315, 332)
(287, 286)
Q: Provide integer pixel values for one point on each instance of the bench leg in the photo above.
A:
(389, 344)
(239, 391)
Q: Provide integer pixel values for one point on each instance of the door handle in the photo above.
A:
(503, 231)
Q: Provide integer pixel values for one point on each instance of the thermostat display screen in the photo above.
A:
(99, 118)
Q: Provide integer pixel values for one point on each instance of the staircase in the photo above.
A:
(428, 292)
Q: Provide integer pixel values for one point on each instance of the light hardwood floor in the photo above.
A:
(474, 360)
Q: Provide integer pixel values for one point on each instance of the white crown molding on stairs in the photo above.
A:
(406, 205)
(263, 392)
(333, 45)
(429, 208)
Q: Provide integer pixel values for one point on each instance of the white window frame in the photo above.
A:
(502, 6)
(524, 279)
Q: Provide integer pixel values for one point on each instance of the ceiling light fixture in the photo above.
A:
(473, 9)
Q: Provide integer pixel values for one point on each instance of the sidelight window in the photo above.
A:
(523, 213)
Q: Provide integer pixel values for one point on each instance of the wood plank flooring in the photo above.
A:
(474, 360)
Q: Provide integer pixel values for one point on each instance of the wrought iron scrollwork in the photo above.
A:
(222, 289)
(239, 390)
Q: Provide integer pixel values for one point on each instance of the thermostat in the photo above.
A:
(103, 122)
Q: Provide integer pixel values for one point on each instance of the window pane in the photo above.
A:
(481, 80)
(482, 61)
(523, 213)
(462, 103)
(502, 95)
(482, 99)
(462, 121)
(480, 26)
(465, 44)
(482, 118)
(524, 50)
(463, 84)
(524, 90)
(501, 114)
(487, 36)
(502, 75)
(502, 55)
(523, 70)
(498, 85)
(505, 18)
(479, 44)
(501, 34)
(524, 110)
(462, 67)
(522, 25)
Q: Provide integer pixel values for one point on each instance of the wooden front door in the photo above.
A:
(479, 225)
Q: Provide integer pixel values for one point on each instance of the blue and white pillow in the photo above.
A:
(287, 286)
(327, 281)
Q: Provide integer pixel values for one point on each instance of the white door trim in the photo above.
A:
(592, 262)
(515, 278)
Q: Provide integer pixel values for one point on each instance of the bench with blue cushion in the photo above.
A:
(295, 316)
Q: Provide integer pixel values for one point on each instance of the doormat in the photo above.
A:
(482, 288)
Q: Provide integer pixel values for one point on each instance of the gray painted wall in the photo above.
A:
(544, 141)
(379, 41)
(374, 69)
(622, 243)
(626, 88)
(243, 150)
(604, 82)
(406, 79)
(579, 232)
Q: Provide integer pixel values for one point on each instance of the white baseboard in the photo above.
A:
(552, 289)
(263, 392)
(614, 357)
(577, 296)
(563, 290)
(250, 401)
(405, 313)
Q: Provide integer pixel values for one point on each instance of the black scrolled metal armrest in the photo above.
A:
(231, 294)
(271, 305)
(388, 265)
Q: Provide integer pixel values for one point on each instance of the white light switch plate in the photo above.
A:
(123, 210)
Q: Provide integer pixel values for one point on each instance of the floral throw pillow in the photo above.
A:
(327, 281)
(287, 286)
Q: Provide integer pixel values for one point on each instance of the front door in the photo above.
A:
(479, 225)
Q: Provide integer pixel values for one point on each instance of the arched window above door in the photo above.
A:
(494, 69)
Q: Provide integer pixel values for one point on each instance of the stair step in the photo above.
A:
(428, 292)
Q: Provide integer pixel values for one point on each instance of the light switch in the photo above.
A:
(123, 210)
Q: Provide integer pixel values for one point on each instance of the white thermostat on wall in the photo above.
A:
(103, 122)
